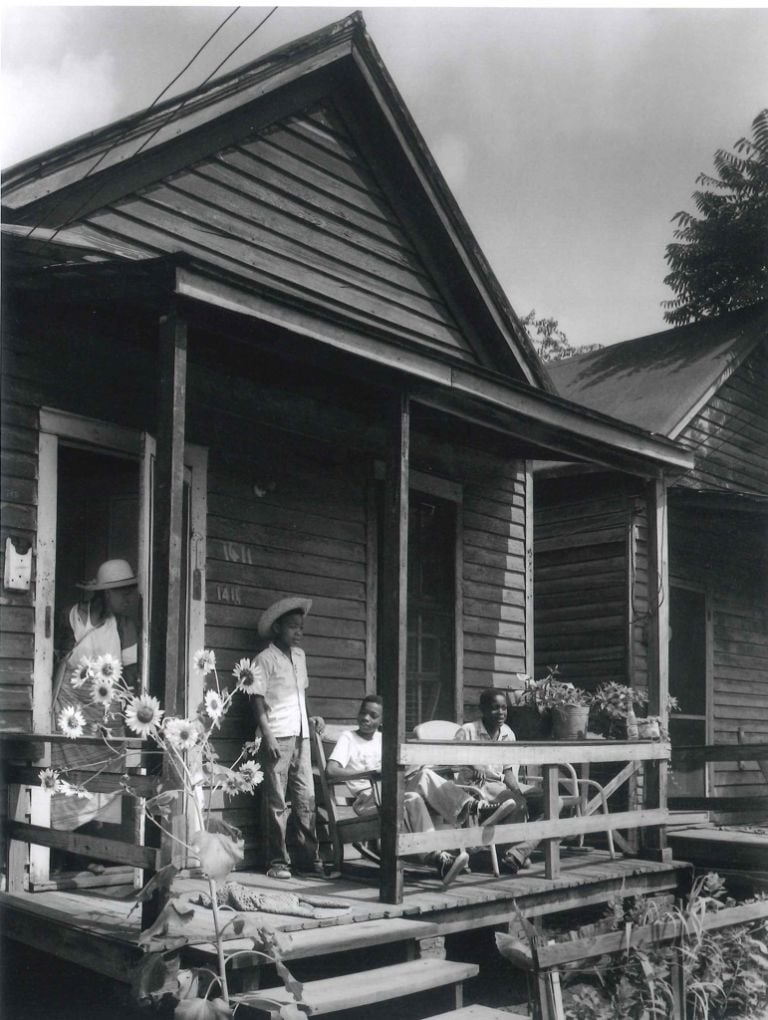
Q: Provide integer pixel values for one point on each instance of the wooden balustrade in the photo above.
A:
(24, 755)
(549, 756)
(703, 753)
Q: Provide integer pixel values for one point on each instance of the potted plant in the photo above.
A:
(613, 710)
(570, 710)
(529, 716)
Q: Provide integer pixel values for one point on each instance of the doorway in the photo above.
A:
(688, 672)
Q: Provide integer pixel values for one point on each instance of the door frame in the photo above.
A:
(709, 723)
(107, 438)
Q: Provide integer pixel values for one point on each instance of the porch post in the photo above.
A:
(394, 637)
(167, 500)
(167, 551)
(655, 840)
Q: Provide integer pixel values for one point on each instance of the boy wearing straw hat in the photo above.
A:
(280, 712)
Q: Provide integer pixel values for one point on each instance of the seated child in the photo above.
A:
(357, 754)
(500, 783)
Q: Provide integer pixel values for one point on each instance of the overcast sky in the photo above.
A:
(569, 137)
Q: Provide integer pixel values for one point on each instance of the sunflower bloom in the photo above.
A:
(232, 783)
(71, 722)
(204, 661)
(103, 691)
(49, 781)
(107, 667)
(214, 705)
(82, 672)
(181, 733)
(249, 676)
(143, 715)
(251, 774)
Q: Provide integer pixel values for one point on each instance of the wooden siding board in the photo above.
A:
(730, 434)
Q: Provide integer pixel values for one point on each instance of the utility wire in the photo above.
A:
(154, 102)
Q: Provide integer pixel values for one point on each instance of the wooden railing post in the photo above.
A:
(551, 812)
(394, 637)
(654, 843)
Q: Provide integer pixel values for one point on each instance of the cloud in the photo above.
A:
(55, 104)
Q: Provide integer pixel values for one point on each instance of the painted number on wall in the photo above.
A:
(228, 593)
(237, 552)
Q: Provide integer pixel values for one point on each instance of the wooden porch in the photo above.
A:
(99, 926)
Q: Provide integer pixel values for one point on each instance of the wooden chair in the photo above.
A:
(344, 826)
(444, 729)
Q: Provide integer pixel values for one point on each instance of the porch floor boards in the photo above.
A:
(99, 929)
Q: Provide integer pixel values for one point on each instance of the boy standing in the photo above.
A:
(281, 714)
(358, 753)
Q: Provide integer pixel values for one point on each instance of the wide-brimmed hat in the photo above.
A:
(112, 574)
(293, 604)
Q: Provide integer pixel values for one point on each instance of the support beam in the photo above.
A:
(655, 841)
(166, 615)
(393, 644)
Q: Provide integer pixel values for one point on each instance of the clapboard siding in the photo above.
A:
(730, 434)
(728, 558)
(18, 519)
(493, 582)
(581, 586)
(299, 209)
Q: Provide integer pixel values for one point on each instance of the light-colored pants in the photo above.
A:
(291, 774)
(427, 798)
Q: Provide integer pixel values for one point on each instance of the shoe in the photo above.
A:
(279, 871)
(512, 863)
(314, 870)
(448, 866)
(493, 814)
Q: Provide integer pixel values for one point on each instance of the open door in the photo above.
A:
(95, 493)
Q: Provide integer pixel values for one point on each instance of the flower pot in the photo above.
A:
(649, 729)
(528, 723)
(570, 722)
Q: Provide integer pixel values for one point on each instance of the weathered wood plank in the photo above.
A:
(89, 846)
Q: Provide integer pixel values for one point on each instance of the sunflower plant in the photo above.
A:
(199, 776)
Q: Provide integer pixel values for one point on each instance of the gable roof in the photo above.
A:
(73, 184)
(660, 382)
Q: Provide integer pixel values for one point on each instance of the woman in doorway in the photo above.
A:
(103, 623)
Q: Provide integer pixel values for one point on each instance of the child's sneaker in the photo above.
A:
(279, 871)
(448, 866)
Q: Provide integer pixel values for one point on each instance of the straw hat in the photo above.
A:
(292, 604)
(112, 574)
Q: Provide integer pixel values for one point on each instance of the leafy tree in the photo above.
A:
(719, 259)
(550, 341)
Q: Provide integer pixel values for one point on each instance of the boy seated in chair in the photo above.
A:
(357, 755)
(500, 784)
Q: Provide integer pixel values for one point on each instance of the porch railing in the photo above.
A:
(23, 756)
(741, 752)
(650, 756)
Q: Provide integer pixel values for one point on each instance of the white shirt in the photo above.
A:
(354, 751)
(282, 681)
(477, 731)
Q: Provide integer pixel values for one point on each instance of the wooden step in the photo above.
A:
(336, 938)
(479, 1013)
(329, 995)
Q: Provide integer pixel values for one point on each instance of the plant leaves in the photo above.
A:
(156, 976)
(172, 911)
(293, 986)
(202, 1009)
(218, 853)
(160, 882)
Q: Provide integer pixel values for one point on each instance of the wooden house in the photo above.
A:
(705, 386)
(251, 345)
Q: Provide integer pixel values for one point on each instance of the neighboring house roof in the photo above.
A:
(190, 175)
(660, 382)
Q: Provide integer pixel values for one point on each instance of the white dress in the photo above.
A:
(91, 641)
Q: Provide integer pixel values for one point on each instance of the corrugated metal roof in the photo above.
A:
(657, 382)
